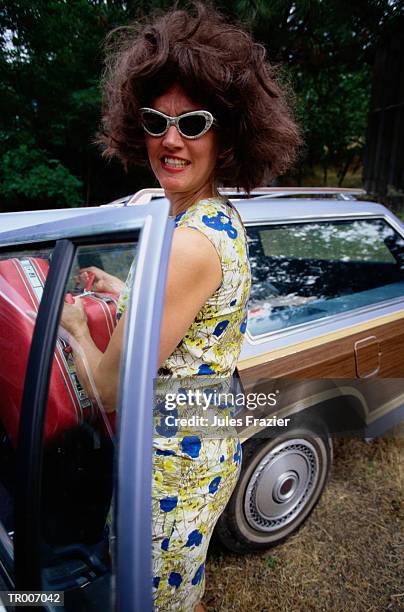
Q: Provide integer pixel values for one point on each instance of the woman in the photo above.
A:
(195, 97)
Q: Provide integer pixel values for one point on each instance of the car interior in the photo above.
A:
(80, 440)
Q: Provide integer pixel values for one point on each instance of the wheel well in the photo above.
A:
(342, 415)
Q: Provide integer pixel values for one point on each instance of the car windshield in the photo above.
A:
(306, 271)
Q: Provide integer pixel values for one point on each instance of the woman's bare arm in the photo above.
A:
(194, 274)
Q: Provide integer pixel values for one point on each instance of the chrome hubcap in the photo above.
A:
(285, 486)
(282, 484)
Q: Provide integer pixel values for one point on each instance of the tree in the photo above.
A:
(327, 49)
(51, 64)
(29, 175)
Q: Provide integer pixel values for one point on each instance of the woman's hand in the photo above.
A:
(74, 318)
(103, 282)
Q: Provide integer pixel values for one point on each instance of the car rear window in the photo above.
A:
(307, 271)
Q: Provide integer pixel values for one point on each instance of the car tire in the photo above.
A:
(280, 483)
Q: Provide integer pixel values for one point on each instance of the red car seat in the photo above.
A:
(21, 286)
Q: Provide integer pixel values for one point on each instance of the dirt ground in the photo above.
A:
(349, 555)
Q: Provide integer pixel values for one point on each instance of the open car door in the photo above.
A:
(75, 476)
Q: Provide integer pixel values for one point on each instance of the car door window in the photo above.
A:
(303, 272)
(74, 452)
(22, 277)
(81, 437)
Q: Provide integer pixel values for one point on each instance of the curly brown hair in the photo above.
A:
(220, 67)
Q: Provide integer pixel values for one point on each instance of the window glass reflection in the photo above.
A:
(308, 271)
(22, 279)
(80, 433)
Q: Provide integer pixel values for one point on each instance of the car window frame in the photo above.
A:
(22, 559)
(30, 445)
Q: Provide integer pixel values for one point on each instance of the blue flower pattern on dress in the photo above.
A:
(205, 370)
(220, 327)
(167, 428)
(165, 453)
(168, 503)
(221, 223)
(237, 454)
(198, 574)
(243, 325)
(175, 579)
(179, 217)
(194, 538)
(165, 543)
(214, 485)
(156, 582)
(191, 445)
(194, 476)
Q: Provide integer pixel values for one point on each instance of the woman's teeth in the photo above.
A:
(175, 163)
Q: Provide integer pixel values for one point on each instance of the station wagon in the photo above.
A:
(325, 337)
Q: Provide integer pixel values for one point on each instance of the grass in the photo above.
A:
(316, 178)
(347, 557)
(352, 180)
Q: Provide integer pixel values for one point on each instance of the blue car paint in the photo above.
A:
(140, 358)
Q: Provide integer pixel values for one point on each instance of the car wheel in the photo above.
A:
(280, 483)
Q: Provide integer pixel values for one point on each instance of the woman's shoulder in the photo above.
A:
(214, 215)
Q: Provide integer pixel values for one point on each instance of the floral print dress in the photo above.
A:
(194, 475)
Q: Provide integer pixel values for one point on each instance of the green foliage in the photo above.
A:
(28, 173)
(51, 64)
(270, 561)
(332, 110)
(327, 49)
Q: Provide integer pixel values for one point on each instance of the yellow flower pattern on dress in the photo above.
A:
(194, 475)
(212, 343)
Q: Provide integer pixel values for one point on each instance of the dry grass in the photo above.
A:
(347, 557)
(315, 178)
